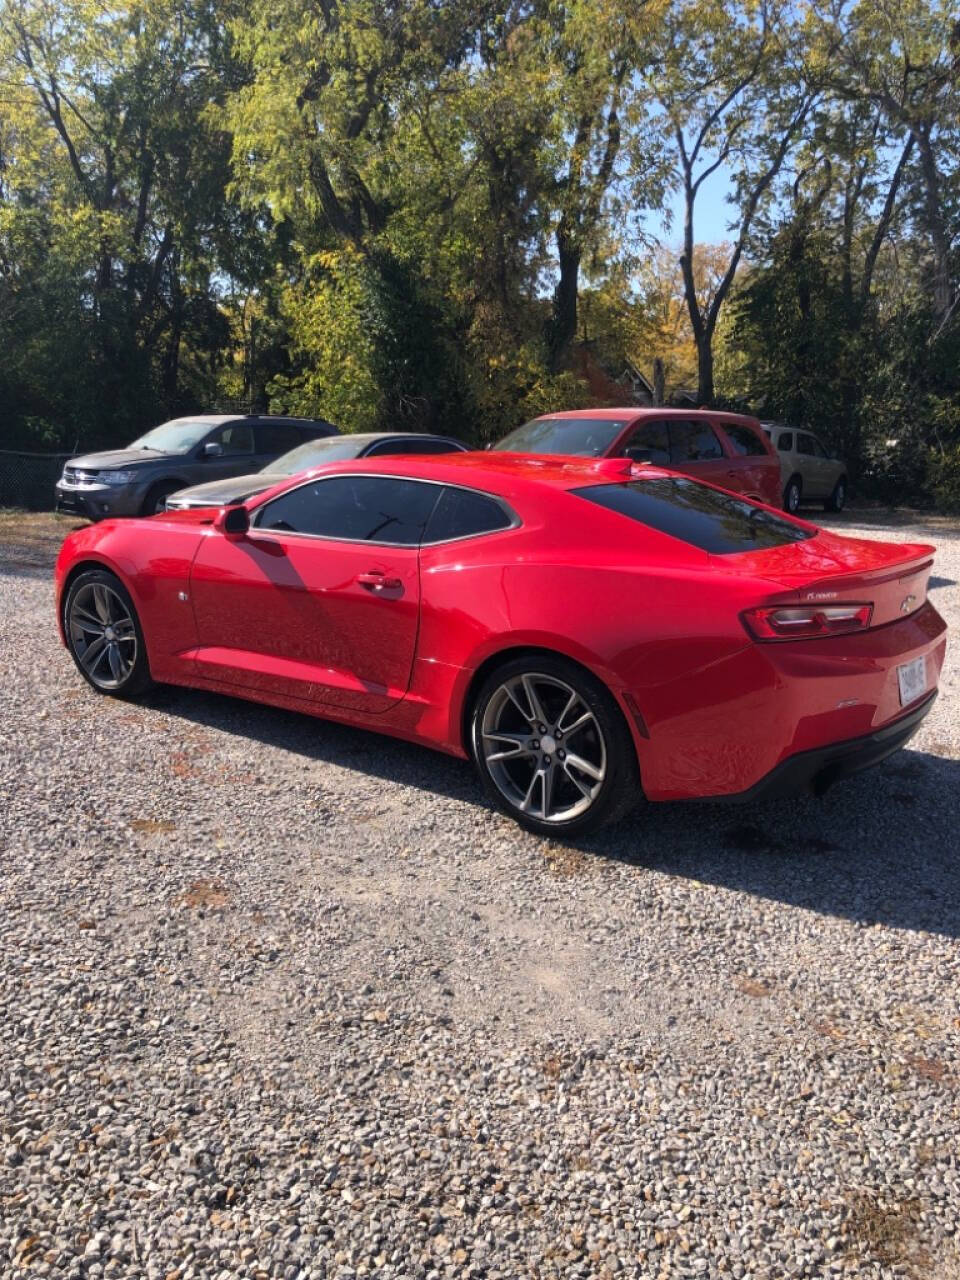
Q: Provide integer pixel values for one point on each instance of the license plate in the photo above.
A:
(912, 678)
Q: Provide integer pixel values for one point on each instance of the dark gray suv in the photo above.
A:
(136, 481)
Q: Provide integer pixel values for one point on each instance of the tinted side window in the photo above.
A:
(713, 521)
(693, 442)
(277, 438)
(432, 446)
(236, 438)
(805, 445)
(818, 449)
(650, 442)
(462, 514)
(409, 445)
(358, 508)
(744, 441)
(785, 443)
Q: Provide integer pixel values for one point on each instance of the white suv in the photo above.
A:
(808, 471)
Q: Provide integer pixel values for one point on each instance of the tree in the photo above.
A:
(729, 92)
(903, 56)
(111, 152)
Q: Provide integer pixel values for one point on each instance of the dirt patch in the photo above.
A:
(205, 895)
(886, 1232)
(152, 826)
(32, 539)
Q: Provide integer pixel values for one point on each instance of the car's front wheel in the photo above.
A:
(791, 495)
(104, 635)
(552, 747)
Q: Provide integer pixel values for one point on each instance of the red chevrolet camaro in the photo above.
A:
(584, 630)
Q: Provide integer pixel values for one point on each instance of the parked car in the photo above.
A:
(725, 449)
(314, 454)
(136, 481)
(583, 629)
(808, 470)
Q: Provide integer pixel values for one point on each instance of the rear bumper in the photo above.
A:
(819, 769)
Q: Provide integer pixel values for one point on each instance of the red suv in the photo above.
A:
(726, 449)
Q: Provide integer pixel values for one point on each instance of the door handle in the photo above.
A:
(375, 580)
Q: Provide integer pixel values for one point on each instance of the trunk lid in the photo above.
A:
(827, 569)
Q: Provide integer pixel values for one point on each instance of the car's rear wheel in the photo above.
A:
(838, 499)
(104, 635)
(552, 747)
(156, 499)
(791, 495)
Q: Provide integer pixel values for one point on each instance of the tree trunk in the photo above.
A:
(936, 224)
(563, 324)
(659, 381)
(705, 369)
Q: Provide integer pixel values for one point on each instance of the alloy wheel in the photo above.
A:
(543, 747)
(102, 635)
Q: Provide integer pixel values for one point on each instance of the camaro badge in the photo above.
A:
(908, 603)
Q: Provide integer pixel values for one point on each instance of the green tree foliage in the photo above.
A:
(113, 215)
(401, 212)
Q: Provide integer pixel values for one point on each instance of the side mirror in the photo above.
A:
(637, 454)
(232, 522)
(211, 450)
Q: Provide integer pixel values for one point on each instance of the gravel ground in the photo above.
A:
(283, 999)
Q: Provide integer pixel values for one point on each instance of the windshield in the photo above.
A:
(313, 454)
(587, 437)
(173, 437)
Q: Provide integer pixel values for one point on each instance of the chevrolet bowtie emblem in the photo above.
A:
(908, 604)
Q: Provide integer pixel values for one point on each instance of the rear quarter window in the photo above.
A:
(715, 522)
(461, 513)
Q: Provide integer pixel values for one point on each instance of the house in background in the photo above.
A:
(638, 385)
(641, 389)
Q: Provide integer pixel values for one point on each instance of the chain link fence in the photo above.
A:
(27, 479)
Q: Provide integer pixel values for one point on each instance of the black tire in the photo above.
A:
(603, 738)
(838, 499)
(154, 502)
(792, 495)
(125, 672)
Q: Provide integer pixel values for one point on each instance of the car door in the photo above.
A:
(649, 441)
(227, 451)
(320, 599)
(752, 470)
(783, 442)
(271, 439)
(695, 449)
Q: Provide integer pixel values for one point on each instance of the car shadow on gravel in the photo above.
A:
(879, 848)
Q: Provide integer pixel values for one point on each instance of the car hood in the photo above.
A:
(121, 458)
(216, 493)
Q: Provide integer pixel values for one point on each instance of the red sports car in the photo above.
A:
(584, 630)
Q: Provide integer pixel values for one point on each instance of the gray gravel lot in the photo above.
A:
(283, 999)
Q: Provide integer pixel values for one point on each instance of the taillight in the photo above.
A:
(806, 622)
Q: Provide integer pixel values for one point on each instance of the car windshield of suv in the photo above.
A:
(173, 437)
(585, 437)
(313, 454)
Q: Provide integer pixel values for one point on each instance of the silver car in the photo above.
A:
(810, 473)
(221, 493)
